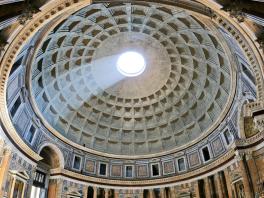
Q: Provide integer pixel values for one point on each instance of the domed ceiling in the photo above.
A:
(180, 95)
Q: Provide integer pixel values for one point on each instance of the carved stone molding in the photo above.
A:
(249, 141)
(253, 107)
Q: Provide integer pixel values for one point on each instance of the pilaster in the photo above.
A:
(253, 171)
(162, 193)
(95, 192)
(172, 192)
(151, 193)
(245, 175)
(196, 189)
(106, 192)
(4, 168)
(219, 186)
(85, 191)
(228, 183)
(207, 188)
(117, 193)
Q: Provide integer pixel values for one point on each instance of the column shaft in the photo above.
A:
(219, 187)
(117, 194)
(253, 173)
(85, 191)
(245, 176)
(106, 193)
(95, 192)
(228, 183)
(13, 187)
(172, 192)
(4, 168)
(151, 193)
(162, 194)
(207, 188)
(196, 188)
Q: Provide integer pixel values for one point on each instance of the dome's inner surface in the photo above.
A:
(179, 96)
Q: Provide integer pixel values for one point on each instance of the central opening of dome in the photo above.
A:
(131, 64)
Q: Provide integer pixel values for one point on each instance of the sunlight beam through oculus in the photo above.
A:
(131, 64)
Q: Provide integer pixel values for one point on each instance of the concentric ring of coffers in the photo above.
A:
(178, 98)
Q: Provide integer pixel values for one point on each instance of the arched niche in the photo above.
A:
(52, 156)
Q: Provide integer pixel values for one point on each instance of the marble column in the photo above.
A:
(30, 182)
(219, 187)
(106, 192)
(116, 193)
(4, 167)
(85, 191)
(211, 185)
(141, 194)
(12, 187)
(95, 192)
(162, 193)
(151, 193)
(223, 183)
(196, 189)
(172, 192)
(245, 176)
(253, 171)
(59, 188)
(228, 182)
(207, 188)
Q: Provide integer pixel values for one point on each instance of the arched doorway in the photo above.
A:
(42, 185)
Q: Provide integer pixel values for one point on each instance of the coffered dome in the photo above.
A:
(180, 96)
